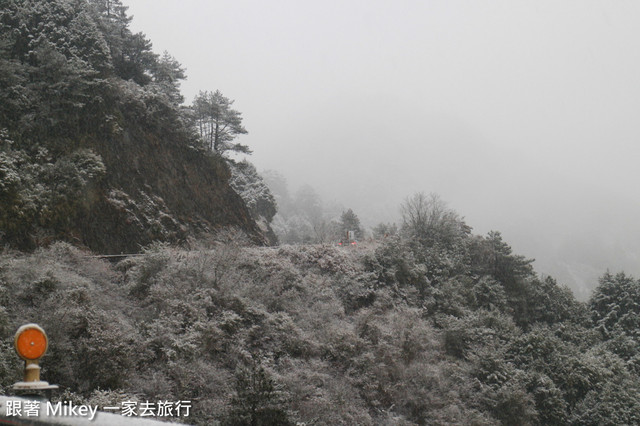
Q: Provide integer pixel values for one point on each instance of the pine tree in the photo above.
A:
(217, 123)
(168, 73)
(349, 221)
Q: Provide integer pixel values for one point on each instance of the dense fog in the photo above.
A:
(370, 262)
(521, 115)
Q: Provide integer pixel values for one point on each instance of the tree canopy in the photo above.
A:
(218, 124)
(349, 221)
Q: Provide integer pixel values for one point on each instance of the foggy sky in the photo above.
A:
(521, 114)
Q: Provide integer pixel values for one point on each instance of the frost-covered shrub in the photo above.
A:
(41, 193)
(617, 403)
(489, 294)
(91, 338)
(257, 400)
(342, 337)
(395, 264)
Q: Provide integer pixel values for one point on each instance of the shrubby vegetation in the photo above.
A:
(434, 325)
(430, 324)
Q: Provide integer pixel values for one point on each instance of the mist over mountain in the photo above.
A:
(368, 276)
(575, 228)
(521, 115)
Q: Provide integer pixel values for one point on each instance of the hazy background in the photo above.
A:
(521, 114)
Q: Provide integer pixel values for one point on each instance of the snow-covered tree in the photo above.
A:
(248, 183)
(168, 73)
(349, 221)
(218, 123)
(428, 220)
(615, 304)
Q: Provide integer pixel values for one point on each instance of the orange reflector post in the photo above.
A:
(31, 342)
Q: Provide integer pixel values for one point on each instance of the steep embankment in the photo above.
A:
(95, 148)
(156, 189)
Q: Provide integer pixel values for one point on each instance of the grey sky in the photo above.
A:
(521, 114)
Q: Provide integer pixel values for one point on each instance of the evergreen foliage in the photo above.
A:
(246, 181)
(349, 221)
(255, 401)
(93, 137)
(255, 193)
(318, 334)
(217, 123)
(429, 325)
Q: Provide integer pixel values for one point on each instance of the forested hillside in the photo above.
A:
(425, 323)
(432, 326)
(95, 148)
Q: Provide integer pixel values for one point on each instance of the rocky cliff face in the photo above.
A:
(155, 190)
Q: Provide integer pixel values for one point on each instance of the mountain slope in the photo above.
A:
(383, 333)
(95, 148)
